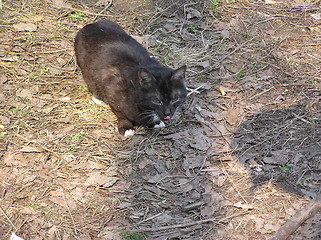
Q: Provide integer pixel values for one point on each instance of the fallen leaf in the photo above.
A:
(270, 2)
(61, 3)
(4, 120)
(28, 211)
(144, 163)
(221, 26)
(192, 13)
(301, 3)
(279, 157)
(52, 232)
(316, 16)
(98, 178)
(83, 237)
(103, 3)
(29, 149)
(22, 27)
(204, 64)
(36, 18)
(232, 116)
(3, 79)
(15, 237)
(245, 206)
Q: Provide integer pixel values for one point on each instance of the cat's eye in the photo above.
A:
(156, 101)
(175, 99)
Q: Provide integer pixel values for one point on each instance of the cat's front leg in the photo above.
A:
(125, 127)
(161, 124)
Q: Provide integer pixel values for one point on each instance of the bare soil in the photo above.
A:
(229, 166)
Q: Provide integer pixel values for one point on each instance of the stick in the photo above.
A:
(5, 214)
(189, 224)
(78, 10)
(295, 222)
(72, 218)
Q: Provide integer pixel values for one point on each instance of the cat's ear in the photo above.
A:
(145, 78)
(179, 74)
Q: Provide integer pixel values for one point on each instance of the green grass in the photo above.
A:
(78, 16)
(14, 110)
(133, 236)
(214, 4)
(77, 136)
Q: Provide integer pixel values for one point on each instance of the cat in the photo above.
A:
(120, 72)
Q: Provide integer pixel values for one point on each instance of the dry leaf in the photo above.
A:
(144, 163)
(4, 120)
(316, 16)
(15, 237)
(193, 13)
(243, 206)
(22, 27)
(83, 237)
(61, 3)
(29, 149)
(270, 2)
(52, 233)
(3, 79)
(232, 116)
(279, 157)
(301, 3)
(24, 93)
(98, 178)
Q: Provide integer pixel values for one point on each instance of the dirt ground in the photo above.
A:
(229, 166)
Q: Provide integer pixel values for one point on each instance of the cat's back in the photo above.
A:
(106, 38)
(100, 32)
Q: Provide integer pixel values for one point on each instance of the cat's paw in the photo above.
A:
(160, 125)
(97, 101)
(129, 133)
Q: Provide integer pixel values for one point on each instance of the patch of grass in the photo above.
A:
(2, 134)
(240, 74)
(32, 75)
(77, 136)
(83, 88)
(313, 81)
(78, 16)
(44, 71)
(214, 4)
(28, 36)
(72, 150)
(292, 63)
(192, 29)
(33, 206)
(284, 168)
(133, 236)
(14, 110)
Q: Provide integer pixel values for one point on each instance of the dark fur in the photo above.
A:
(120, 72)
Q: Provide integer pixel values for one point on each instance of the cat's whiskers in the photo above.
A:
(149, 114)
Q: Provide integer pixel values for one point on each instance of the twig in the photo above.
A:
(216, 220)
(194, 90)
(150, 218)
(108, 5)
(295, 222)
(261, 93)
(78, 10)
(72, 218)
(5, 214)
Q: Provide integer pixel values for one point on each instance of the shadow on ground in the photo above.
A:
(283, 146)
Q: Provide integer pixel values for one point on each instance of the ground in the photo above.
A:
(233, 165)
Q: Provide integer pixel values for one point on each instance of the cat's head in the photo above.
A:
(161, 93)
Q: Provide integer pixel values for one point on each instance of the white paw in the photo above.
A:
(129, 133)
(160, 125)
(97, 101)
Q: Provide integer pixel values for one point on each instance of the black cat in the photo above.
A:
(120, 72)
